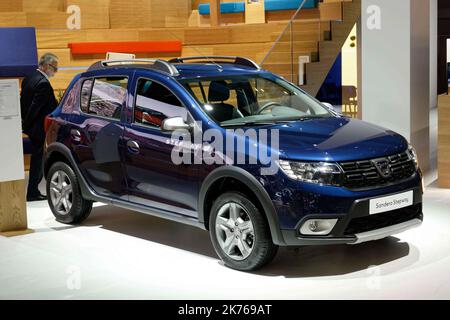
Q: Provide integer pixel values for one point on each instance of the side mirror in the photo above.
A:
(174, 124)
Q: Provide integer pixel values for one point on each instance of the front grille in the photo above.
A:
(383, 220)
(364, 174)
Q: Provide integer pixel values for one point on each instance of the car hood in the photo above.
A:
(336, 139)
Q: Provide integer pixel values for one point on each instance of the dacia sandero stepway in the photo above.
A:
(122, 127)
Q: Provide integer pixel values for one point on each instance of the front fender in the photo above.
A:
(249, 180)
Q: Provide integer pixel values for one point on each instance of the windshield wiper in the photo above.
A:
(300, 119)
(248, 124)
(264, 123)
(307, 118)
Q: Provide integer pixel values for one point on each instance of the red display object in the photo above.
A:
(78, 48)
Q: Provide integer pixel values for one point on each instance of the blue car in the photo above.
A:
(220, 144)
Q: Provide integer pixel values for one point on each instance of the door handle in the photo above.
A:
(133, 147)
(75, 135)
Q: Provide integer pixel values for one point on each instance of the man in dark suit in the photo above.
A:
(37, 100)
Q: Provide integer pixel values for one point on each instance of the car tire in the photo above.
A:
(232, 219)
(64, 195)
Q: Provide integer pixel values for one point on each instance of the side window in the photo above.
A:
(107, 97)
(154, 103)
(85, 95)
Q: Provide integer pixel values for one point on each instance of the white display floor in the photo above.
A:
(119, 254)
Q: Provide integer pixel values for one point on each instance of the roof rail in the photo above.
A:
(218, 59)
(153, 64)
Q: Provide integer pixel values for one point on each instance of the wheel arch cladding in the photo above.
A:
(53, 156)
(60, 151)
(214, 184)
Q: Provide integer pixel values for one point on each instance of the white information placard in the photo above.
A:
(448, 50)
(9, 98)
(11, 148)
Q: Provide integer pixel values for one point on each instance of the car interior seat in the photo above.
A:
(218, 93)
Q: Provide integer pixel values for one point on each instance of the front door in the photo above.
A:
(152, 178)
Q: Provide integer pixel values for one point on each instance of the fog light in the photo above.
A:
(318, 227)
(313, 225)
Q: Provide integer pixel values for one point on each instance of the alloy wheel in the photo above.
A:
(61, 192)
(234, 231)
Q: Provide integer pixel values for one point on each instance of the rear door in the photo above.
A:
(97, 132)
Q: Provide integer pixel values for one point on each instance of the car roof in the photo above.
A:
(196, 70)
(180, 70)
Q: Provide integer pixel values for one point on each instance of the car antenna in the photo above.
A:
(209, 59)
(201, 54)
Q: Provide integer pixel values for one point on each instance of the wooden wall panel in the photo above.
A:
(53, 20)
(11, 6)
(286, 15)
(51, 14)
(170, 16)
(330, 11)
(92, 16)
(58, 39)
(112, 35)
(161, 34)
(43, 5)
(200, 36)
(13, 19)
(132, 21)
(130, 13)
(189, 51)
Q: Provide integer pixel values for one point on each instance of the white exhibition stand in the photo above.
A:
(13, 218)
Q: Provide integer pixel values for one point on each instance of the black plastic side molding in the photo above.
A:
(249, 180)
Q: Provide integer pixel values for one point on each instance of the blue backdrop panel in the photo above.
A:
(276, 5)
(448, 72)
(226, 7)
(331, 90)
(270, 5)
(18, 51)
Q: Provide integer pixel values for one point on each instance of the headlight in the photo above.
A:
(323, 173)
(413, 156)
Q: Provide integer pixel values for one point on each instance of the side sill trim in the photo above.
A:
(156, 212)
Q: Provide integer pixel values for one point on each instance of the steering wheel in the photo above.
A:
(268, 105)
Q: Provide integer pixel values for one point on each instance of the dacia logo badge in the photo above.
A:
(383, 167)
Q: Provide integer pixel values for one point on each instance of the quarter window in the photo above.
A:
(85, 95)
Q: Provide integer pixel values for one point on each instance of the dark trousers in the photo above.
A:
(36, 173)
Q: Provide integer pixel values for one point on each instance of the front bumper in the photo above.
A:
(378, 234)
(358, 226)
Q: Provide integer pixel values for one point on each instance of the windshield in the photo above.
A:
(253, 99)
